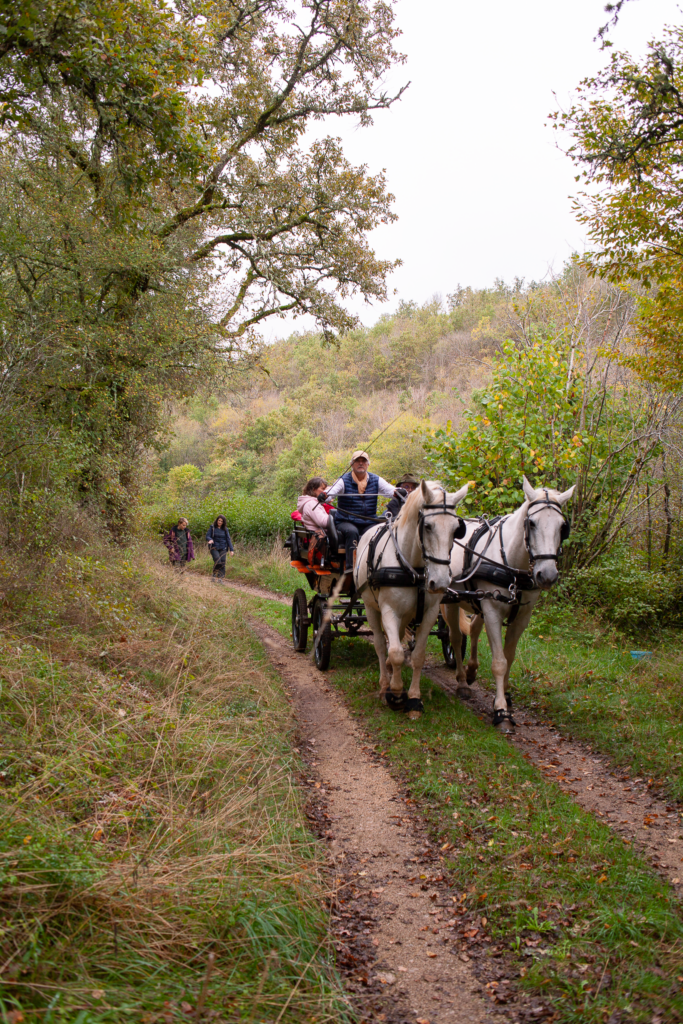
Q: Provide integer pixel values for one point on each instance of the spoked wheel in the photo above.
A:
(299, 620)
(322, 638)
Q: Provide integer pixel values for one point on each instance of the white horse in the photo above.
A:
(527, 543)
(418, 543)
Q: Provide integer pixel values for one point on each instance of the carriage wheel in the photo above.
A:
(447, 647)
(299, 620)
(322, 642)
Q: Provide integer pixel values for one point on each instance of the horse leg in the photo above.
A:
(499, 667)
(414, 706)
(476, 626)
(396, 655)
(512, 635)
(378, 639)
(451, 614)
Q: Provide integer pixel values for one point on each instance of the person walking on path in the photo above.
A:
(357, 492)
(218, 539)
(178, 540)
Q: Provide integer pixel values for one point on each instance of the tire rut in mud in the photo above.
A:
(392, 906)
(628, 805)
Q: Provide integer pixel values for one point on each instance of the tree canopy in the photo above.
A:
(163, 195)
(628, 147)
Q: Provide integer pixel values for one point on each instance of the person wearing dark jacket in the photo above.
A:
(404, 486)
(218, 539)
(178, 540)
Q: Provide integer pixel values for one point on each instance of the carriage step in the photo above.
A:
(301, 566)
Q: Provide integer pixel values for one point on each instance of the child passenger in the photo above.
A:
(315, 515)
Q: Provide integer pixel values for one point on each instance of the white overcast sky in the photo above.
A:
(481, 189)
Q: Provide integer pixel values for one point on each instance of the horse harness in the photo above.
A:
(406, 575)
(503, 574)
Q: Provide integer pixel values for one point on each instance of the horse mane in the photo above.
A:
(413, 504)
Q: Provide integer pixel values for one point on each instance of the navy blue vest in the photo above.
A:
(351, 505)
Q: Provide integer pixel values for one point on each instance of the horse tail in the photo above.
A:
(465, 623)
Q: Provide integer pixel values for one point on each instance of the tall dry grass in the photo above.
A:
(152, 841)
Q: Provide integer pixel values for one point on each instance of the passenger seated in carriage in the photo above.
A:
(357, 492)
(315, 515)
(404, 486)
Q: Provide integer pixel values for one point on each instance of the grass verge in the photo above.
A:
(154, 858)
(584, 679)
(579, 918)
(261, 565)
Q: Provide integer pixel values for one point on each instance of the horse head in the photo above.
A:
(545, 528)
(432, 513)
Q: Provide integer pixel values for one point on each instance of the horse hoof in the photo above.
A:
(464, 692)
(505, 727)
(471, 677)
(396, 701)
(414, 708)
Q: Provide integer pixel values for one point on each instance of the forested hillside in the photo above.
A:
(485, 385)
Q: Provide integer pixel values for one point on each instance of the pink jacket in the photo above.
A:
(312, 512)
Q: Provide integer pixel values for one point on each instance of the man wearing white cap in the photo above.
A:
(357, 492)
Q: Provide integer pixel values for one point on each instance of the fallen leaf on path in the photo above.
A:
(385, 977)
(464, 957)
(432, 955)
(403, 969)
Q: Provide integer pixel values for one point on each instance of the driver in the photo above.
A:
(357, 492)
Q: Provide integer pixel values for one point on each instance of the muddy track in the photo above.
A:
(629, 806)
(395, 920)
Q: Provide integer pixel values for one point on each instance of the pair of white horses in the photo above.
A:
(427, 537)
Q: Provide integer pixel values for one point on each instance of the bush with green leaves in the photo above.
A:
(635, 599)
(249, 518)
(548, 414)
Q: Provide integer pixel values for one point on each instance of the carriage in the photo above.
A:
(321, 561)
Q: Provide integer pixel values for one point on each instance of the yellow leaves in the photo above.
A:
(27, 839)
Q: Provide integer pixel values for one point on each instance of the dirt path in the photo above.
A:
(393, 916)
(248, 588)
(384, 865)
(629, 806)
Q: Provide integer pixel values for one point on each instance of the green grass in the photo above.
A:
(567, 899)
(583, 678)
(262, 565)
(148, 811)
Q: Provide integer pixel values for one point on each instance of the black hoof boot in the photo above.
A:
(503, 720)
(396, 701)
(414, 708)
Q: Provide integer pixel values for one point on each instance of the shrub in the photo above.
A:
(249, 518)
(633, 598)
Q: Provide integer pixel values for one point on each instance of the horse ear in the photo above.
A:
(426, 492)
(565, 496)
(459, 495)
(528, 489)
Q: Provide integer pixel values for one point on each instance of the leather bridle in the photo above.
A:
(546, 502)
(440, 508)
